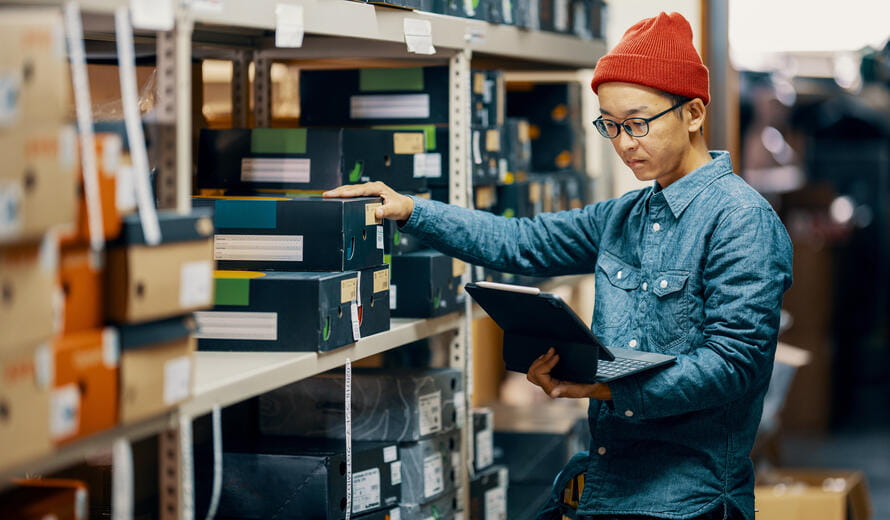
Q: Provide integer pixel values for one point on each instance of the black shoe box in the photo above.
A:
(430, 467)
(588, 18)
(388, 156)
(438, 153)
(446, 507)
(488, 494)
(368, 97)
(555, 16)
(295, 233)
(557, 148)
(483, 438)
(545, 103)
(489, 163)
(387, 405)
(395, 242)
(426, 284)
(518, 146)
(487, 98)
(290, 477)
(515, 200)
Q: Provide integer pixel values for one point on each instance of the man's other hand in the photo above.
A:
(539, 374)
(395, 205)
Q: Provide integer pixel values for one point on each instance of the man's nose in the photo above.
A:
(625, 141)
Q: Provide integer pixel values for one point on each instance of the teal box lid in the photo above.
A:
(155, 332)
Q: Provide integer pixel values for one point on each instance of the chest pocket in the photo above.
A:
(670, 309)
(616, 285)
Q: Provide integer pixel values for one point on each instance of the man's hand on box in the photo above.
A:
(395, 205)
(539, 374)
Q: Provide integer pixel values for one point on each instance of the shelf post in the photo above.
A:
(262, 90)
(240, 88)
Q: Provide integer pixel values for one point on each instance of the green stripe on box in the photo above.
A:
(390, 80)
(429, 133)
(278, 140)
(232, 291)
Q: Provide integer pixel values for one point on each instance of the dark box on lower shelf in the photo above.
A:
(295, 233)
(300, 312)
(446, 507)
(397, 243)
(483, 438)
(488, 494)
(426, 284)
(387, 404)
(429, 467)
(306, 478)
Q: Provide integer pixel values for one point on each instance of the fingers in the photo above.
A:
(395, 206)
(539, 371)
(368, 189)
(572, 390)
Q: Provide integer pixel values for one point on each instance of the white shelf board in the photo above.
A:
(225, 378)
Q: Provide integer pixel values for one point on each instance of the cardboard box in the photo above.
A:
(426, 284)
(809, 494)
(488, 494)
(25, 381)
(38, 181)
(446, 507)
(367, 97)
(147, 283)
(296, 233)
(429, 467)
(487, 98)
(156, 367)
(387, 405)
(396, 158)
(397, 243)
(279, 311)
(483, 438)
(83, 289)
(42, 499)
(33, 68)
(85, 390)
(291, 477)
(243, 160)
(27, 313)
(109, 149)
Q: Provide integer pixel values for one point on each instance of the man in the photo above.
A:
(694, 265)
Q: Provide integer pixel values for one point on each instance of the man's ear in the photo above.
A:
(696, 111)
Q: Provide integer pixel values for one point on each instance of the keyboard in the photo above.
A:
(620, 367)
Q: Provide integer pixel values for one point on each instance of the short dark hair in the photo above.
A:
(676, 99)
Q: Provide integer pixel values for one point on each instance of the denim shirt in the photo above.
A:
(696, 270)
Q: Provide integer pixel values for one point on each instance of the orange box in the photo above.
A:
(25, 379)
(40, 499)
(84, 397)
(812, 494)
(82, 288)
(108, 160)
(26, 294)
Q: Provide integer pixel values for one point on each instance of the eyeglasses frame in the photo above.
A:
(624, 125)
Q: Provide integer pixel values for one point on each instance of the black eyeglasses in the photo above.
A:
(634, 126)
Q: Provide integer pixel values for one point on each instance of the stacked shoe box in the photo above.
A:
(489, 484)
(419, 409)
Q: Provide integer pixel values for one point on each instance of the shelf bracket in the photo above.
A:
(176, 472)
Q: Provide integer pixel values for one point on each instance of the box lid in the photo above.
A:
(196, 225)
(147, 334)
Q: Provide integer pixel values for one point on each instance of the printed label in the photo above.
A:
(371, 215)
(484, 449)
(493, 140)
(365, 490)
(460, 408)
(477, 147)
(561, 15)
(381, 280)
(395, 514)
(196, 284)
(395, 470)
(496, 504)
(110, 347)
(356, 326)
(11, 209)
(458, 267)
(430, 406)
(392, 297)
(433, 481)
(177, 379)
(404, 106)
(262, 326)
(478, 83)
(270, 248)
(348, 290)
(390, 453)
(276, 169)
(428, 165)
(379, 237)
(408, 143)
(65, 411)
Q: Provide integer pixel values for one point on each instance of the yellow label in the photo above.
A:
(381, 280)
(237, 274)
(534, 192)
(479, 83)
(408, 143)
(493, 140)
(523, 132)
(348, 290)
(485, 196)
(370, 215)
(458, 267)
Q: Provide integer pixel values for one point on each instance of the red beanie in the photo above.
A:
(658, 53)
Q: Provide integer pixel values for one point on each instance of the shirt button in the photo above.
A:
(628, 413)
(664, 284)
(632, 343)
(601, 450)
(620, 274)
(656, 227)
(645, 286)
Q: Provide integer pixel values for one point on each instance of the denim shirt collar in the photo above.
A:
(681, 192)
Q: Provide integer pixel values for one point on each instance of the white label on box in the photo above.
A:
(502, 169)
(507, 9)
(112, 147)
(125, 194)
(10, 209)
(177, 379)
(65, 411)
(390, 453)
(10, 88)
(458, 515)
(477, 147)
(561, 15)
(277, 169)
(365, 490)
(379, 237)
(430, 406)
(395, 472)
(288, 25)
(469, 8)
(392, 297)
(196, 284)
(111, 347)
(390, 106)
(433, 479)
(270, 248)
(455, 459)
(428, 165)
(395, 514)
(484, 449)
(460, 408)
(496, 504)
(356, 326)
(44, 366)
(262, 326)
